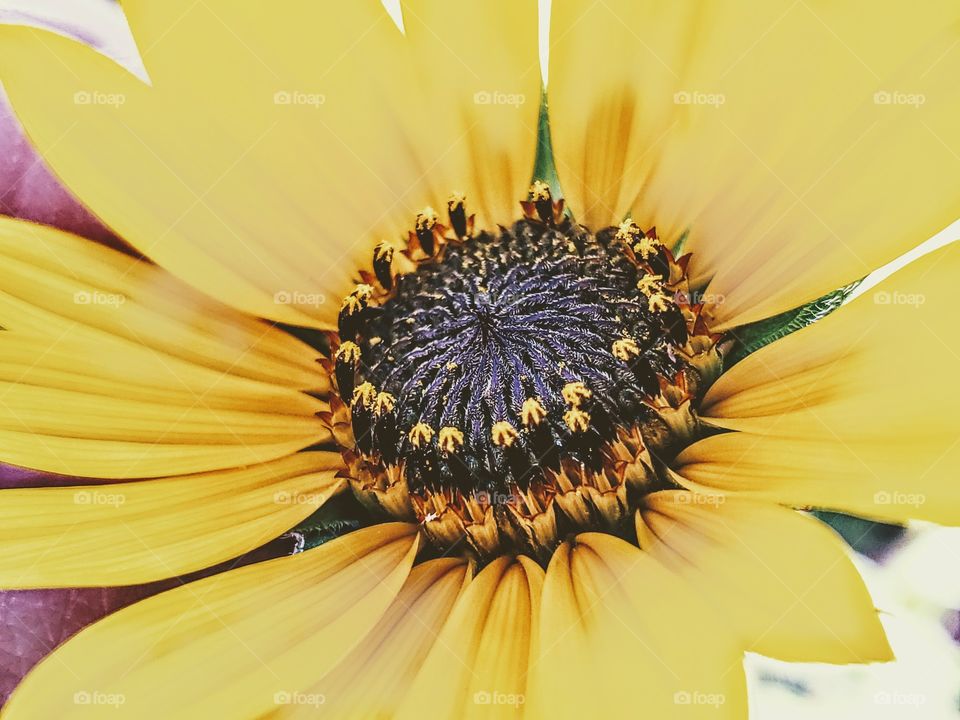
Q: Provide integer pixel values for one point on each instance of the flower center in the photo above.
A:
(510, 384)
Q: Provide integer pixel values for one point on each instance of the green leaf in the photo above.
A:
(338, 516)
(750, 338)
(544, 165)
(867, 537)
(870, 538)
(681, 244)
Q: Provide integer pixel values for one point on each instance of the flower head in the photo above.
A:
(569, 501)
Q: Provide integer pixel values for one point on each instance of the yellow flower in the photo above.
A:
(536, 552)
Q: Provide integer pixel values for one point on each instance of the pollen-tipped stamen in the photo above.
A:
(520, 382)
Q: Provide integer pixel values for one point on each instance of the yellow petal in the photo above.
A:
(480, 65)
(238, 645)
(137, 532)
(804, 143)
(856, 412)
(783, 578)
(66, 287)
(371, 681)
(622, 636)
(477, 667)
(607, 126)
(271, 150)
(115, 410)
(113, 368)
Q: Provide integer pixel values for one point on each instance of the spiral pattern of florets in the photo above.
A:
(480, 345)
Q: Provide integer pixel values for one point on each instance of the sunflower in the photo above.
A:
(577, 504)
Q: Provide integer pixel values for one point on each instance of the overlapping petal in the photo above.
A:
(62, 286)
(856, 412)
(375, 677)
(478, 64)
(126, 533)
(783, 578)
(478, 665)
(240, 644)
(804, 144)
(273, 146)
(27, 187)
(621, 635)
(113, 368)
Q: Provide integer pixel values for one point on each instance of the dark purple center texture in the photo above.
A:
(500, 319)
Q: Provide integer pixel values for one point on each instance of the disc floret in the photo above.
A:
(514, 383)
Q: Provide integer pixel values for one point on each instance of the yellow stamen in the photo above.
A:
(649, 284)
(384, 403)
(647, 247)
(539, 191)
(420, 434)
(625, 349)
(577, 420)
(456, 199)
(627, 231)
(427, 218)
(575, 393)
(383, 251)
(532, 413)
(357, 300)
(658, 302)
(348, 352)
(504, 434)
(450, 439)
(365, 394)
